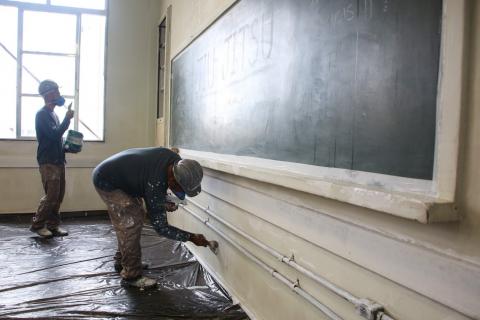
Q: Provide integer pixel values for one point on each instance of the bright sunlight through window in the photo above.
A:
(62, 40)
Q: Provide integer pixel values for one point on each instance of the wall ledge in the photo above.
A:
(412, 199)
(73, 161)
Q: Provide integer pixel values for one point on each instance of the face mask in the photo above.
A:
(180, 195)
(60, 101)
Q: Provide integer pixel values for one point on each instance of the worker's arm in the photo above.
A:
(155, 201)
(47, 127)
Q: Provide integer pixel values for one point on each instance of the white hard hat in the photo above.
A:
(188, 173)
(46, 86)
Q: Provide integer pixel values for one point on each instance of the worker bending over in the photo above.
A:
(126, 177)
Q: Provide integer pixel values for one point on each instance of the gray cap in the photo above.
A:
(46, 86)
(189, 174)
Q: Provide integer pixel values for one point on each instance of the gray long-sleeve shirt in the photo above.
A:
(142, 173)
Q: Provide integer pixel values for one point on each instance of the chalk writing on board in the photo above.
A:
(344, 14)
(233, 57)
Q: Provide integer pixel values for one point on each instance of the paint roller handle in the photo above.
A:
(213, 245)
(70, 112)
(199, 240)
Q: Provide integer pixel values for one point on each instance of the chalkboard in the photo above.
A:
(342, 84)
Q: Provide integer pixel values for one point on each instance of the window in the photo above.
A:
(62, 40)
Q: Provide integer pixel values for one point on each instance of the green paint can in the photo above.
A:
(74, 142)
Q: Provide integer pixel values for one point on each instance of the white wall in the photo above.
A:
(417, 271)
(129, 115)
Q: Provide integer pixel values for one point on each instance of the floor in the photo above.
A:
(73, 277)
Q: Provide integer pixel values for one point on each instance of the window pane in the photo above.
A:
(49, 32)
(89, 134)
(8, 100)
(8, 73)
(59, 69)
(91, 90)
(8, 28)
(89, 4)
(30, 106)
(30, 1)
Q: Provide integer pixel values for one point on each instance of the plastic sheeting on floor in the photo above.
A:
(73, 277)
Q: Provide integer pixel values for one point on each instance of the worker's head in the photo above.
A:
(185, 178)
(48, 89)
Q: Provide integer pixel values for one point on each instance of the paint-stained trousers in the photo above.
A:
(53, 180)
(127, 214)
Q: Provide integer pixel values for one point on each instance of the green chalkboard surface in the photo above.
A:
(342, 84)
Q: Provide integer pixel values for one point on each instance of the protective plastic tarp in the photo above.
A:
(73, 277)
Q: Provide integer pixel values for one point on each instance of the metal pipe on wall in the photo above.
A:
(292, 285)
(365, 307)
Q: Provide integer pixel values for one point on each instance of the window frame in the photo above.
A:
(49, 8)
(161, 65)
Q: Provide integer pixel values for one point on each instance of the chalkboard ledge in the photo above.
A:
(403, 197)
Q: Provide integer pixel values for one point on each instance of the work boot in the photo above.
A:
(118, 266)
(42, 232)
(58, 232)
(141, 282)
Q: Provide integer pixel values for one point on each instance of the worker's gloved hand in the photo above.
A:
(170, 206)
(199, 240)
(70, 113)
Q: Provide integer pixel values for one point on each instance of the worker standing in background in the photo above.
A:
(126, 177)
(51, 160)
